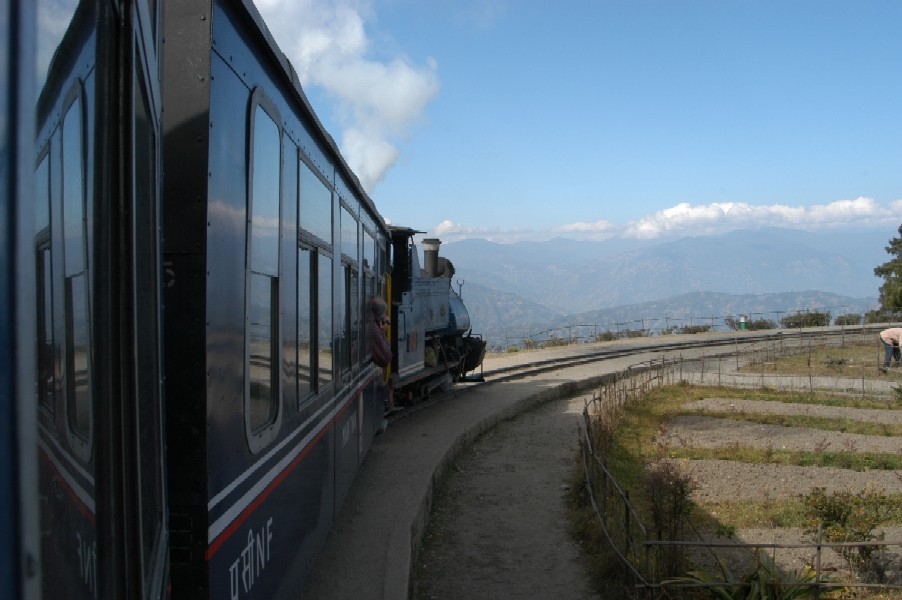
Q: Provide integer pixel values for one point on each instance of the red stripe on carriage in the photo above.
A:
(236, 524)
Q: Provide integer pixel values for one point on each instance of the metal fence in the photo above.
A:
(534, 335)
(646, 554)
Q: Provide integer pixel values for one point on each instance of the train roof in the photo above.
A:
(292, 76)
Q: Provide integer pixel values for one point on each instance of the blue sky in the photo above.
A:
(530, 119)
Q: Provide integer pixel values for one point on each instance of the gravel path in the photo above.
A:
(498, 527)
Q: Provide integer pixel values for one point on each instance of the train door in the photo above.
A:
(96, 251)
(147, 516)
(131, 559)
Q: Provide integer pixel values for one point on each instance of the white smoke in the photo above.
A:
(377, 102)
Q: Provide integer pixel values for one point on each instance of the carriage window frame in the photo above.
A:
(321, 271)
(75, 279)
(350, 287)
(260, 275)
(368, 277)
(46, 350)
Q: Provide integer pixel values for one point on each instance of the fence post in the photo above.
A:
(817, 561)
(626, 518)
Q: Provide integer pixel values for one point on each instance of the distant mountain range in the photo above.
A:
(759, 273)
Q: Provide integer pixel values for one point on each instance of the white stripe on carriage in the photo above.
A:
(60, 451)
(76, 488)
(278, 448)
(218, 526)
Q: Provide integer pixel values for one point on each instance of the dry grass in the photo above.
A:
(847, 360)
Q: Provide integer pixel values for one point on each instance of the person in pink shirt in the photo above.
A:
(890, 338)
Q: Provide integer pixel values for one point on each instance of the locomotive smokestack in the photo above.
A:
(430, 256)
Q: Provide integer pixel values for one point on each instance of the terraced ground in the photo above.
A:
(728, 488)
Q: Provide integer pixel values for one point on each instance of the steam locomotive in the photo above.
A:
(198, 260)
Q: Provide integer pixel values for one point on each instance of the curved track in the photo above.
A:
(528, 363)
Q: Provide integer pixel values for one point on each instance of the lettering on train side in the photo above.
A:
(87, 562)
(254, 557)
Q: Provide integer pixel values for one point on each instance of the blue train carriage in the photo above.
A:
(96, 300)
(271, 249)
(432, 345)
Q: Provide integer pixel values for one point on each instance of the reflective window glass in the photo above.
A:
(78, 357)
(73, 191)
(265, 195)
(354, 313)
(262, 352)
(42, 196)
(324, 319)
(77, 307)
(369, 251)
(316, 205)
(262, 368)
(348, 234)
(305, 322)
(44, 281)
(344, 359)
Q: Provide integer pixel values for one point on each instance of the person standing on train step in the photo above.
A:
(890, 338)
(377, 323)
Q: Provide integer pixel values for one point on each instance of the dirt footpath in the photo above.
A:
(499, 522)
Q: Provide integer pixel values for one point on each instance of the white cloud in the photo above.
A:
(377, 102)
(685, 219)
(449, 231)
(598, 230)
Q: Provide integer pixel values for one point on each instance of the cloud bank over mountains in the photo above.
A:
(377, 101)
(686, 219)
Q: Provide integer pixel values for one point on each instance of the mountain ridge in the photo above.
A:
(543, 284)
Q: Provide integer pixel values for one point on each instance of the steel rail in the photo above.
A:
(638, 346)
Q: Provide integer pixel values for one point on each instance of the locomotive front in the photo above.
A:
(432, 344)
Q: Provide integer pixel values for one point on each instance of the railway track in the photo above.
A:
(726, 343)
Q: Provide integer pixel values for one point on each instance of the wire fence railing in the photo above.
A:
(538, 336)
(652, 556)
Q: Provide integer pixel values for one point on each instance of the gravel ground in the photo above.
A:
(498, 529)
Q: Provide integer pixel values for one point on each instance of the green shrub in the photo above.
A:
(693, 329)
(853, 319)
(606, 336)
(849, 517)
(765, 581)
(806, 319)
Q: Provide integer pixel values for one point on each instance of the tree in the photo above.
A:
(891, 273)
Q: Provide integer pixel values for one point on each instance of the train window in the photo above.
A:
(324, 319)
(44, 281)
(369, 251)
(349, 290)
(316, 206)
(348, 234)
(263, 345)
(353, 320)
(305, 321)
(75, 283)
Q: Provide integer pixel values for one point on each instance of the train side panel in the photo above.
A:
(271, 396)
